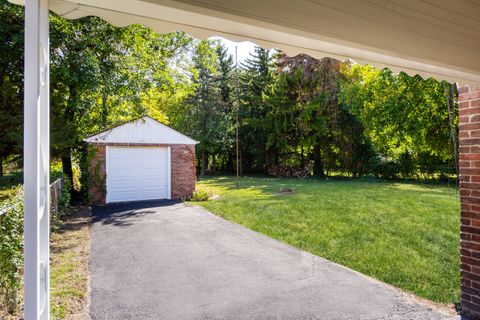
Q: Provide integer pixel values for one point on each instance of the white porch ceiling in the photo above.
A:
(433, 38)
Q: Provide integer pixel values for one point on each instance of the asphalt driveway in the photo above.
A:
(167, 260)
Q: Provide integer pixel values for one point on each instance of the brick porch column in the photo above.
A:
(469, 122)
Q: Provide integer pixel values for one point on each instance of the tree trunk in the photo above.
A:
(69, 114)
(67, 165)
(240, 164)
(317, 162)
(1, 167)
(204, 163)
(451, 118)
(198, 165)
(224, 163)
(230, 164)
(267, 162)
(302, 157)
(214, 166)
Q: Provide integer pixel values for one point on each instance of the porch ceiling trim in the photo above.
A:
(201, 22)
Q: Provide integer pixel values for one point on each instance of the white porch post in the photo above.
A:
(36, 160)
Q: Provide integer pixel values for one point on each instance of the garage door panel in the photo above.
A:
(113, 189)
(150, 169)
(147, 170)
(143, 177)
(152, 178)
(150, 194)
(137, 173)
(122, 175)
(123, 196)
(123, 164)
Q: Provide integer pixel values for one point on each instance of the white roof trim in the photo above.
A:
(144, 130)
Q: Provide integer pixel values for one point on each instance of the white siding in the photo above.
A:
(142, 131)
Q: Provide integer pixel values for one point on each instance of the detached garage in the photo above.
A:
(140, 160)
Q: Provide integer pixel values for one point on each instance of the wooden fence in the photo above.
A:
(55, 196)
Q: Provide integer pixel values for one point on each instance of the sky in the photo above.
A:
(244, 48)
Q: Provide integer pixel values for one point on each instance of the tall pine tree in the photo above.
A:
(256, 84)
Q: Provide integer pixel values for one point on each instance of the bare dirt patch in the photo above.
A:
(285, 191)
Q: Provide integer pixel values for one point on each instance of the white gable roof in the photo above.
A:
(144, 130)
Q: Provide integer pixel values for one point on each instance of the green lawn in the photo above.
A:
(401, 233)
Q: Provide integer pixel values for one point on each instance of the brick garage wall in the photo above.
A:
(183, 171)
(97, 175)
(183, 177)
(469, 122)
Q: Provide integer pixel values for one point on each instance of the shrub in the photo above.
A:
(385, 169)
(89, 176)
(406, 164)
(64, 201)
(55, 170)
(84, 156)
(11, 249)
(199, 195)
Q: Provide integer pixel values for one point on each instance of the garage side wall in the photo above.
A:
(97, 188)
(183, 170)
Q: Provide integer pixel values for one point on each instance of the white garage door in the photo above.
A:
(138, 173)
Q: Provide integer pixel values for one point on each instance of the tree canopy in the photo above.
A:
(297, 115)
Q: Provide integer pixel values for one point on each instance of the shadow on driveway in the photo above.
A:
(121, 214)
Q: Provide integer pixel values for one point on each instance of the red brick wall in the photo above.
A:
(183, 171)
(183, 177)
(97, 175)
(469, 122)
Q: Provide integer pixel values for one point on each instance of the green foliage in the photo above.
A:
(297, 112)
(385, 169)
(64, 201)
(200, 195)
(405, 118)
(55, 171)
(257, 80)
(85, 156)
(11, 248)
(11, 75)
(97, 180)
(102, 76)
(11, 242)
(207, 113)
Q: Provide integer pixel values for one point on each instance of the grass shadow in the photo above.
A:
(75, 219)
